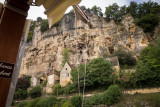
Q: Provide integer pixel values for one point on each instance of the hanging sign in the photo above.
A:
(6, 70)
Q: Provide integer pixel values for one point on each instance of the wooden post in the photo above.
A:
(17, 66)
(11, 28)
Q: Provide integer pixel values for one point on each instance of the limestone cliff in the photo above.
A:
(45, 53)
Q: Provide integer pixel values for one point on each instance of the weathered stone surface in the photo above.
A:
(45, 53)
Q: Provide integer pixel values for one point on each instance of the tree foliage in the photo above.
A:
(94, 10)
(146, 13)
(133, 9)
(97, 10)
(31, 30)
(76, 101)
(98, 74)
(148, 22)
(148, 68)
(112, 12)
(65, 55)
(35, 92)
(125, 58)
(44, 25)
(109, 97)
(21, 94)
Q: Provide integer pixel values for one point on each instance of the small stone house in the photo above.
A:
(52, 79)
(65, 75)
(115, 62)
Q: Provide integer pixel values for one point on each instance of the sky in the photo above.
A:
(35, 12)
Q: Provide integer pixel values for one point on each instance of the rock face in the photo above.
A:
(45, 53)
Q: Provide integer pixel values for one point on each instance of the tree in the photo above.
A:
(30, 35)
(65, 55)
(122, 11)
(125, 58)
(44, 25)
(31, 30)
(98, 74)
(97, 10)
(148, 68)
(86, 9)
(112, 12)
(132, 9)
(146, 8)
(148, 22)
(81, 69)
(39, 19)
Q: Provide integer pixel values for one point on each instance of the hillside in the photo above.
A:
(44, 54)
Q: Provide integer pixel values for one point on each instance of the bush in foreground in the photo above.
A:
(35, 92)
(112, 95)
(68, 104)
(76, 101)
(94, 100)
(21, 94)
(32, 103)
(109, 97)
(22, 104)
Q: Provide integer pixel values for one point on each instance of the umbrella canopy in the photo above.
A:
(55, 9)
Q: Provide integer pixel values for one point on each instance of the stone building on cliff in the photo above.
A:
(65, 75)
(52, 79)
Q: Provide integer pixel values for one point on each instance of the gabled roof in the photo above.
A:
(114, 60)
(66, 66)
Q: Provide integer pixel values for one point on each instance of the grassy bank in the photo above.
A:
(139, 100)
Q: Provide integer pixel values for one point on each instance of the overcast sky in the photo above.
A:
(35, 12)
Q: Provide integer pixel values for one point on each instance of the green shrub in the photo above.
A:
(30, 36)
(76, 101)
(125, 58)
(68, 104)
(21, 104)
(57, 90)
(43, 102)
(13, 103)
(69, 89)
(60, 102)
(126, 80)
(51, 101)
(27, 77)
(112, 95)
(44, 84)
(148, 22)
(66, 56)
(32, 103)
(94, 100)
(98, 74)
(148, 68)
(44, 25)
(35, 92)
(21, 94)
